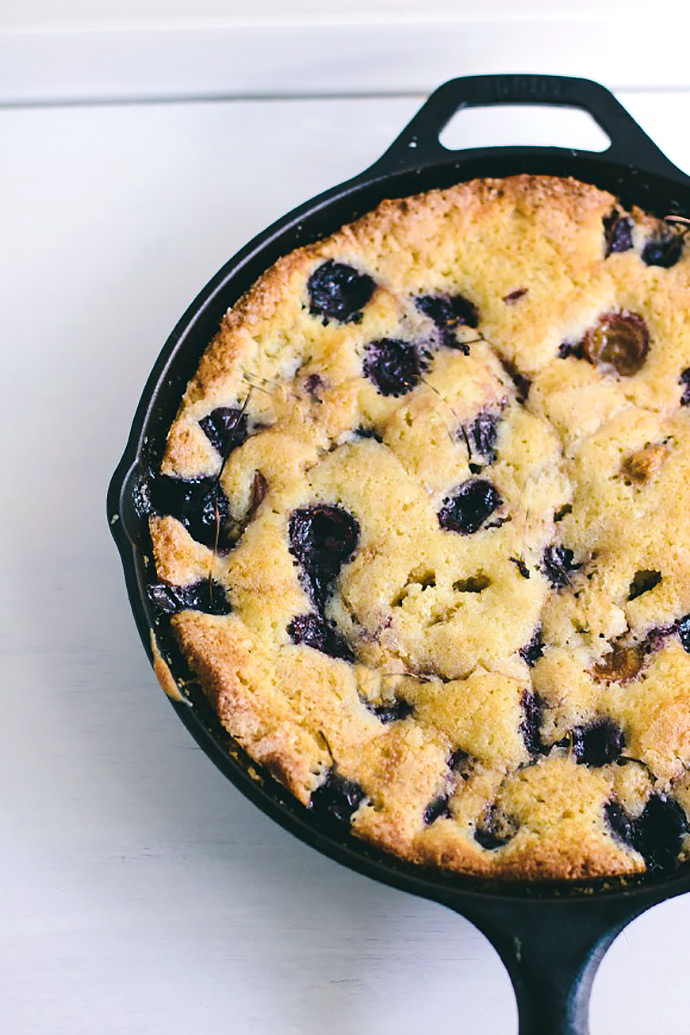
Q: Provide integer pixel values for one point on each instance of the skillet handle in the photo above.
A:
(419, 144)
(551, 950)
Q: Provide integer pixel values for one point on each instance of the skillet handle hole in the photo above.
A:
(529, 125)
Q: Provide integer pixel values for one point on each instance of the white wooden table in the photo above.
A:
(139, 892)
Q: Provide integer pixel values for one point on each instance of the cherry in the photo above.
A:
(207, 596)
(494, 829)
(448, 312)
(225, 428)
(322, 538)
(619, 341)
(530, 727)
(598, 743)
(317, 632)
(339, 292)
(470, 505)
(394, 367)
(664, 251)
(617, 233)
(335, 801)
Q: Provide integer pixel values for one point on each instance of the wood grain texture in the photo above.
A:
(139, 892)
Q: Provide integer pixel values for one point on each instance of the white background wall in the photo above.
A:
(153, 49)
(73, 12)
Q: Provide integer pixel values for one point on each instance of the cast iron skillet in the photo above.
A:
(551, 937)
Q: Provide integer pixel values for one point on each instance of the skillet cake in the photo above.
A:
(421, 530)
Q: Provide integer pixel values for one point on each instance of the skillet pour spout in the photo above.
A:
(552, 937)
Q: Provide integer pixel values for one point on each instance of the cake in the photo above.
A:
(421, 530)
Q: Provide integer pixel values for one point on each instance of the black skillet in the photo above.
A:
(551, 937)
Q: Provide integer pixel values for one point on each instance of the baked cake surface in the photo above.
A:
(422, 529)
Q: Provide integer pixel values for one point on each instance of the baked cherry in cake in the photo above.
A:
(469, 506)
(598, 743)
(618, 231)
(420, 531)
(339, 292)
(394, 367)
(449, 313)
(664, 249)
(225, 428)
(336, 799)
(317, 632)
(618, 341)
(322, 538)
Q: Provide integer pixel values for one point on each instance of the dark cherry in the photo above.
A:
(530, 727)
(684, 633)
(619, 821)
(315, 631)
(557, 564)
(684, 380)
(642, 582)
(664, 251)
(335, 801)
(205, 596)
(617, 233)
(339, 292)
(657, 834)
(393, 711)
(448, 312)
(481, 436)
(619, 341)
(393, 366)
(470, 505)
(533, 650)
(200, 504)
(322, 538)
(225, 428)
(436, 809)
(494, 829)
(597, 744)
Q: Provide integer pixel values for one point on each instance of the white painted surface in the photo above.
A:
(45, 13)
(139, 892)
(148, 50)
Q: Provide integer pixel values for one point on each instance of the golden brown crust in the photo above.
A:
(476, 678)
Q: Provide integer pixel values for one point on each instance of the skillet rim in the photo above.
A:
(426, 169)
